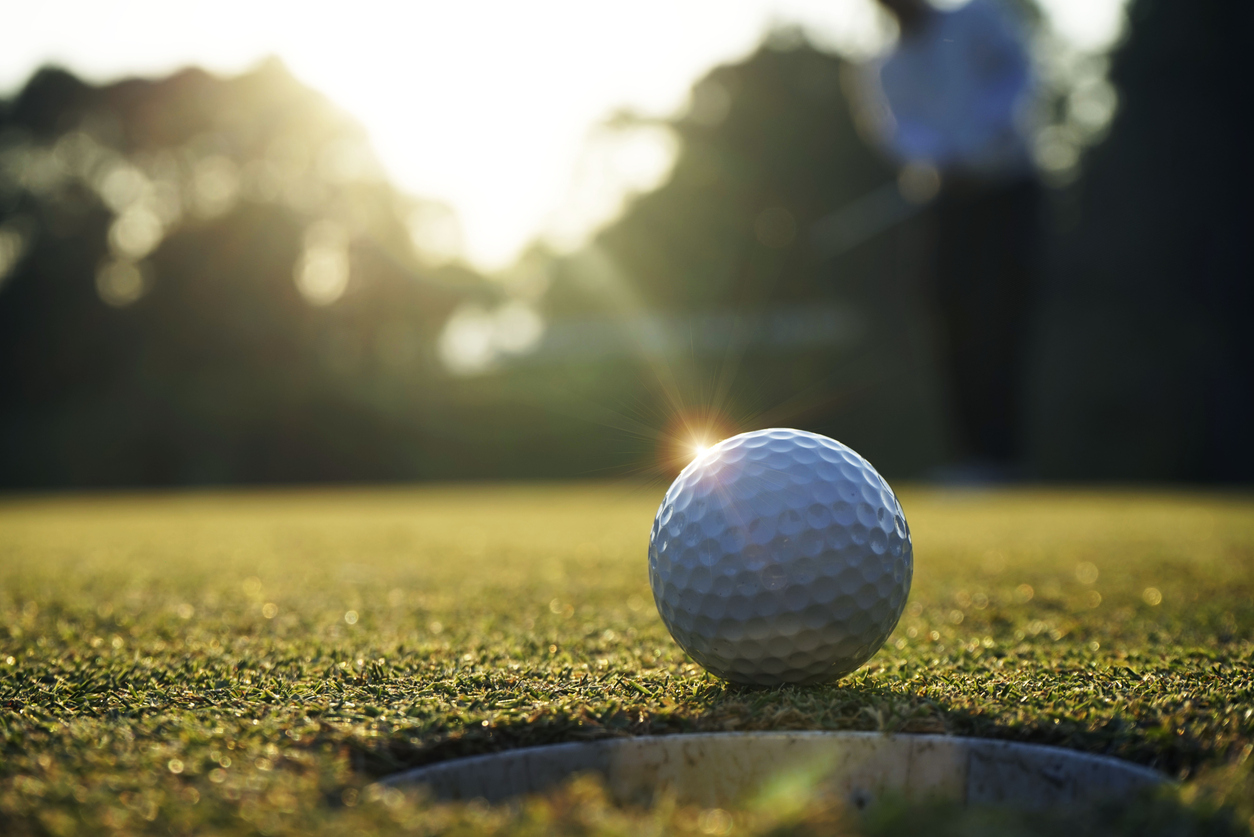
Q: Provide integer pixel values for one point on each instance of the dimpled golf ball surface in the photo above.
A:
(780, 556)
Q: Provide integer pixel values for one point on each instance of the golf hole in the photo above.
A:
(724, 769)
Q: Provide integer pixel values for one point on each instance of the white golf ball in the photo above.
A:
(780, 556)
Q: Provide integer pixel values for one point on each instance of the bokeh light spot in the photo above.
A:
(215, 185)
(323, 269)
(476, 338)
(135, 233)
(120, 283)
(12, 247)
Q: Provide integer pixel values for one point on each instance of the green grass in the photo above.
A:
(251, 662)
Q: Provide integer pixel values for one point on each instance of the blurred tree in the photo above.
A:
(206, 280)
(1146, 362)
(768, 147)
(726, 252)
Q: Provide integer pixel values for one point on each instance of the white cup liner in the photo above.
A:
(721, 769)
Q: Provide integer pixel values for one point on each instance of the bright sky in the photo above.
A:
(487, 105)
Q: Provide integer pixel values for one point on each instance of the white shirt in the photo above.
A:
(951, 93)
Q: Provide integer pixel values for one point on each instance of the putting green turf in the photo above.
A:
(250, 661)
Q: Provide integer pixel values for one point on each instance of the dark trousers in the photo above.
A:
(985, 270)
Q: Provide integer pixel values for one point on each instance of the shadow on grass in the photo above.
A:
(1215, 805)
(714, 706)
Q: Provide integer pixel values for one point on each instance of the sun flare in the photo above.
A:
(690, 435)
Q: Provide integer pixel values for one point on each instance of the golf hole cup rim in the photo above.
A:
(729, 768)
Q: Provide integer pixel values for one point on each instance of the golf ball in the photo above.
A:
(780, 556)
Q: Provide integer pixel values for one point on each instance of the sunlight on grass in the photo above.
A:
(250, 661)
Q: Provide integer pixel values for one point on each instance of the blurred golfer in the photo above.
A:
(948, 100)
